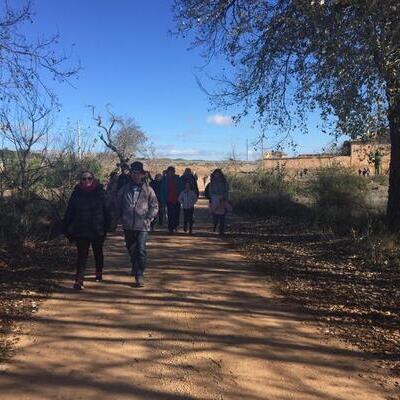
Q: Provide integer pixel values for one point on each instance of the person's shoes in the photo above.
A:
(185, 229)
(139, 281)
(78, 285)
(99, 277)
(190, 232)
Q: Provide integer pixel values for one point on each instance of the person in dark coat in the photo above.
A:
(156, 186)
(125, 177)
(86, 222)
(189, 177)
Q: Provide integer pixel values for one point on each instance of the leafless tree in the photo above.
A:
(122, 135)
(233, 160)
(25, 127)
(26, 64)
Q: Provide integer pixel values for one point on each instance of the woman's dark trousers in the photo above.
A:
(188, 219)
(219, 221)
(83, 246)
(173, 210)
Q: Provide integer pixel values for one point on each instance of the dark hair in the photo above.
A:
(217, 171)
(86, 172)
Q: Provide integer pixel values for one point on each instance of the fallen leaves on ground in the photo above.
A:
(331, 277)
(27, 274)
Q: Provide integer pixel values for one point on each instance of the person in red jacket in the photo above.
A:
(171, 187)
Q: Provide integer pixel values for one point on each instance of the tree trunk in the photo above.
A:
(393, 206)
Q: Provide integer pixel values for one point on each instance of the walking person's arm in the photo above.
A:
(68, 220)
(194, 198)
(181, 197)
(153, 205)
(107, 213)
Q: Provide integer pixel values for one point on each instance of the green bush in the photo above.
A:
(67, 170)
(263, 194)
(27, 219)
(264, 205)
(339, 198)
(261, 182)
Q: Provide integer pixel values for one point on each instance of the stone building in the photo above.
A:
(357, 154)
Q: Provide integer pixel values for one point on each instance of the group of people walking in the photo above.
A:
(138, 202)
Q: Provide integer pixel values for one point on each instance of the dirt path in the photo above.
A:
(206, 326)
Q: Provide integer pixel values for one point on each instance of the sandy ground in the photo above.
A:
(205, 326)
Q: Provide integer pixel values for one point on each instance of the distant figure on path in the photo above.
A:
(111, 199)
(124, 178)
(219, 195)
(171, 187)
(86, 222)
(156, 186)
(189, 177)
(137, 206)
(205, 180)
(188, 198)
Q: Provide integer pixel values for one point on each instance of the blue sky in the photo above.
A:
(131, 62)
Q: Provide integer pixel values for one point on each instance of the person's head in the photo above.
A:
(86, 179)
(188, 187)
(147, 175)
(137, 172)
(170, 171)
(188, 171)
(158, 177)
(217, 174)
(125, 168)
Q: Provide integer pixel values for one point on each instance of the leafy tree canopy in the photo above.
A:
(338, 56)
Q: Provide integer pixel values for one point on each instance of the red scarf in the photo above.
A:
(91, 188)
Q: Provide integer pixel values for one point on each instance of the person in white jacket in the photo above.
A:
(188, 198)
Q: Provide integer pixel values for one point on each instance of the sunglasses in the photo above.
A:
(87, 178)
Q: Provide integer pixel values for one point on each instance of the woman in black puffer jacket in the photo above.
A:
(86, 222)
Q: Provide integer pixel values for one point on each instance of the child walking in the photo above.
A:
(188, 198)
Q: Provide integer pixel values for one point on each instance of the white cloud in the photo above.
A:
(219, 119)
(168, 151)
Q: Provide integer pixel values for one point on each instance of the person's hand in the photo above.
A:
(70, 239)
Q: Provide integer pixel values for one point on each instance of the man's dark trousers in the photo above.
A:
(136, 244)
(174, 210)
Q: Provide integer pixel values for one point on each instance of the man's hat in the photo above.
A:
(137, 166)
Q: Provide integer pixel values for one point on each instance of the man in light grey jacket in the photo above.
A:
(137, 207)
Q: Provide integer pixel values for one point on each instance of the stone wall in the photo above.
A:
(358, 159)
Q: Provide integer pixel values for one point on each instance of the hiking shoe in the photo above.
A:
(139, 281)
(78, 285)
